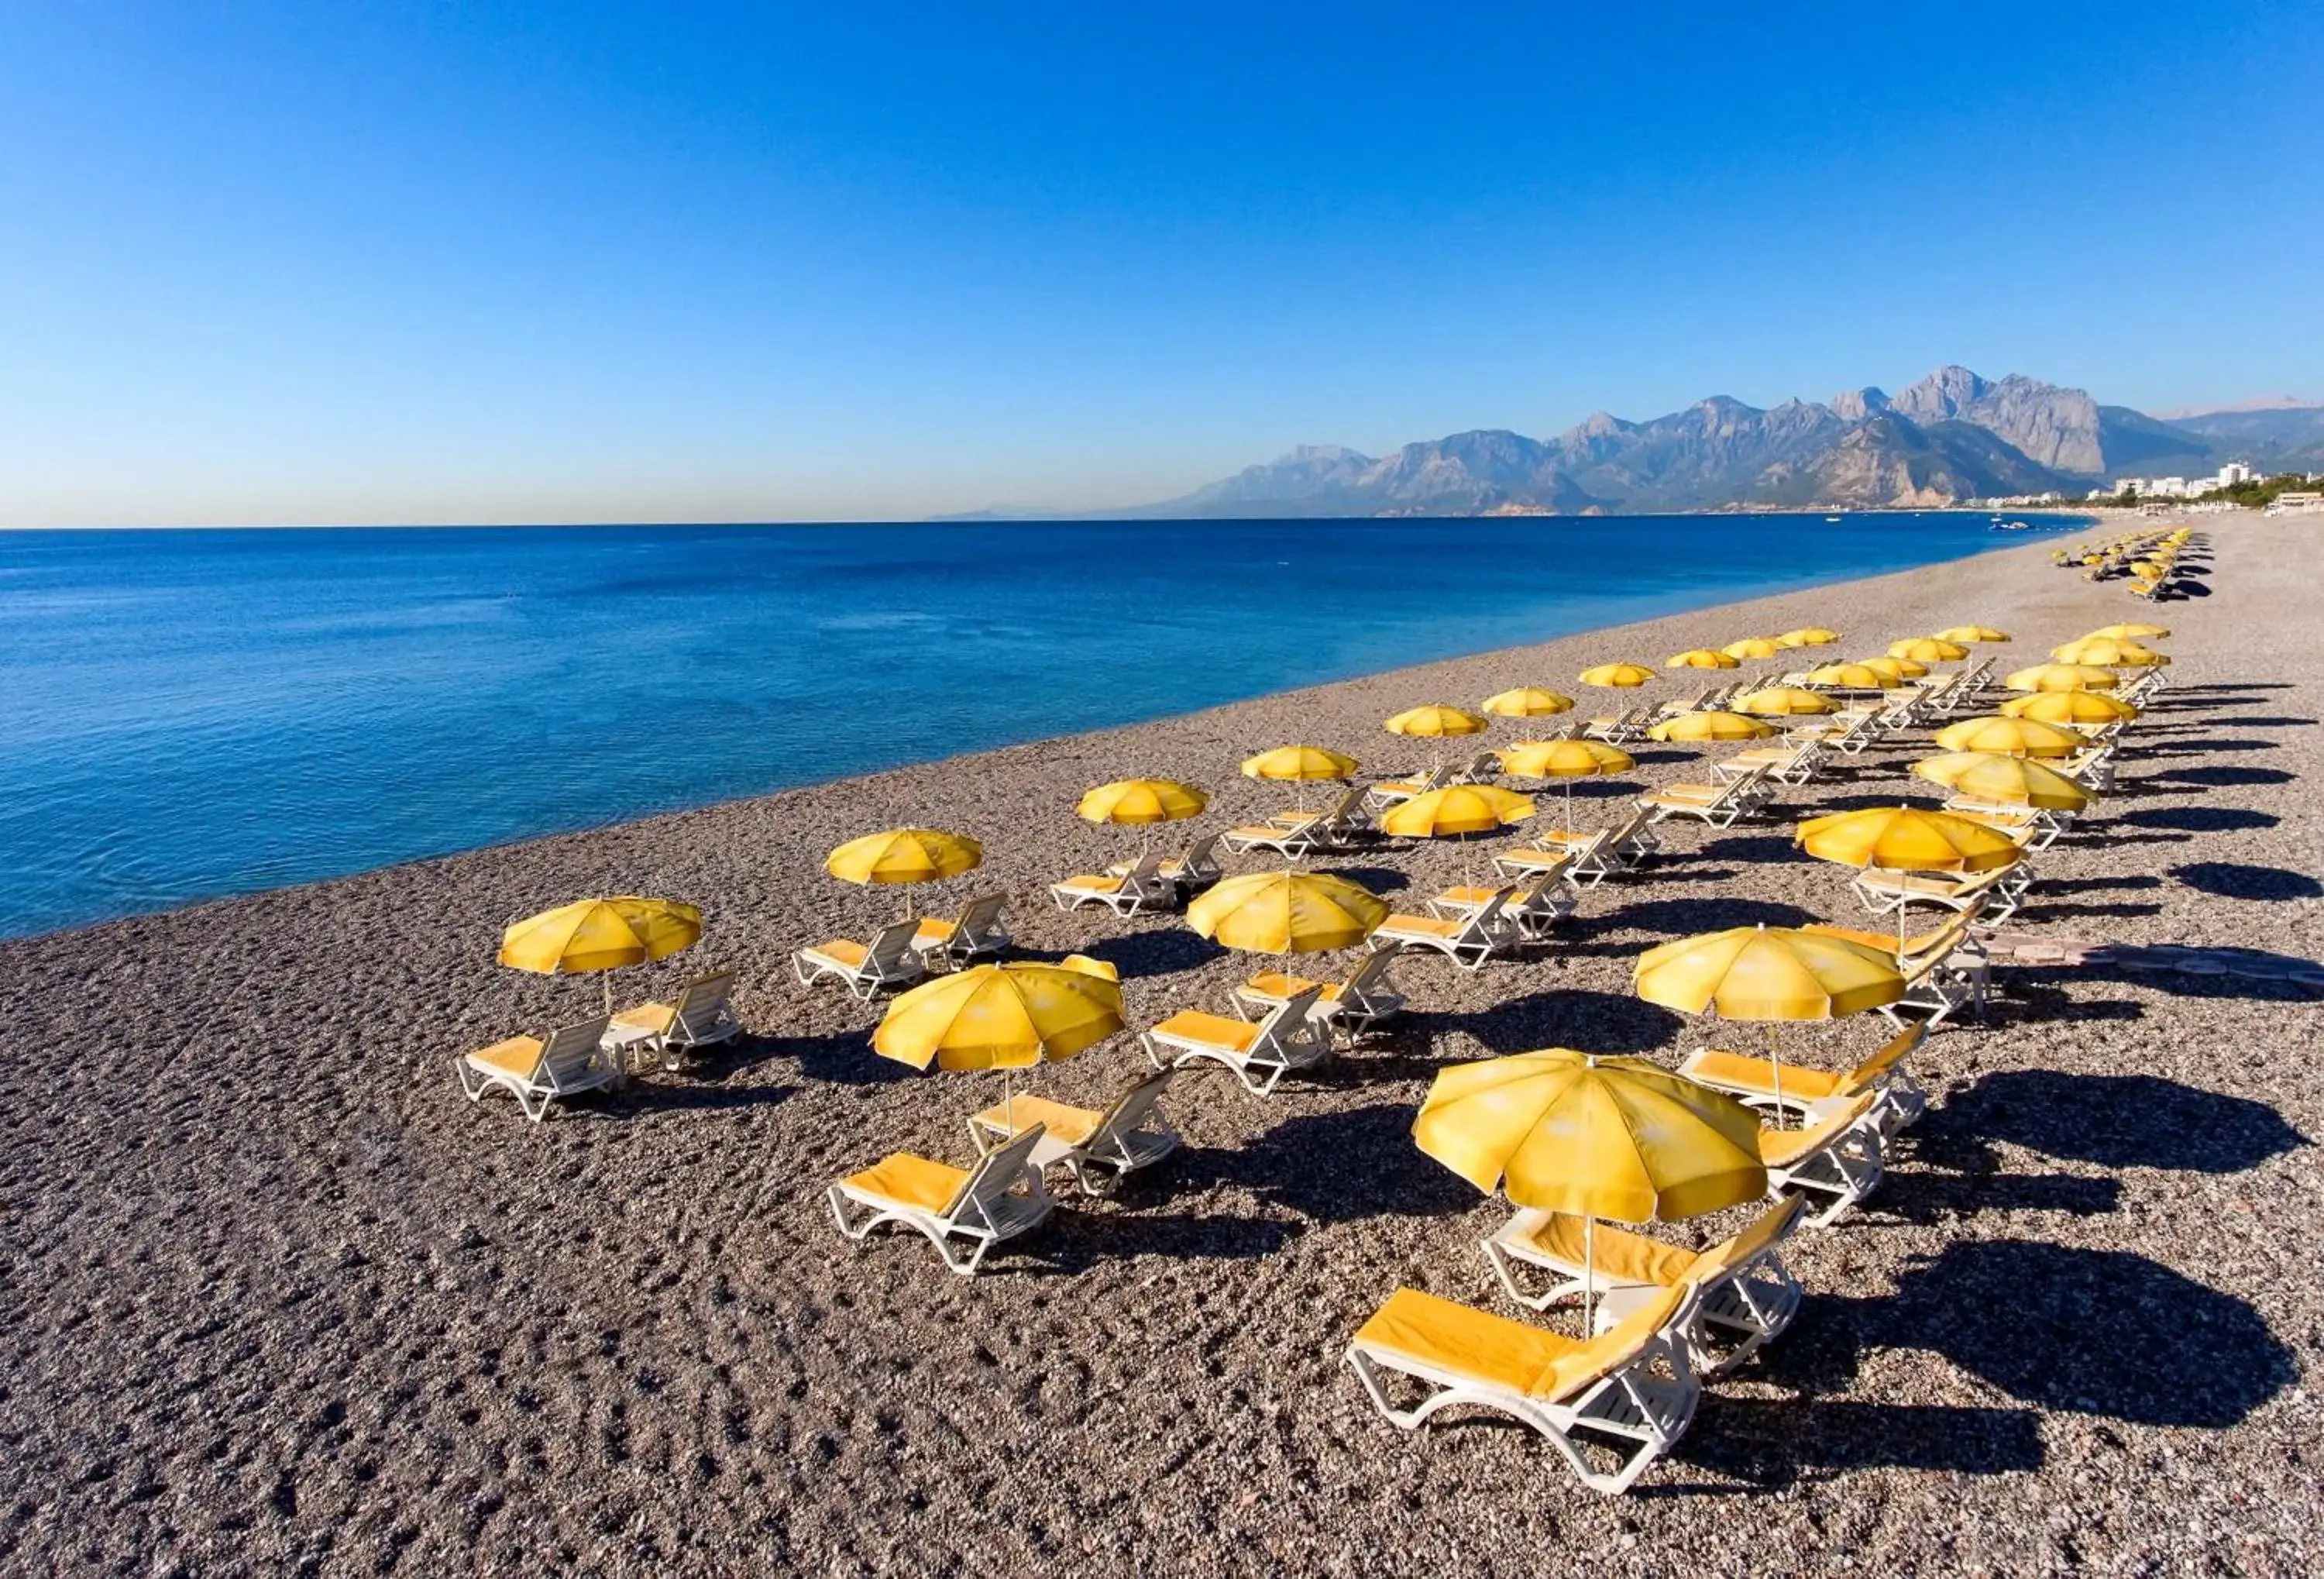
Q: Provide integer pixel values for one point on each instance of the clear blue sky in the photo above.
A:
(404, 261)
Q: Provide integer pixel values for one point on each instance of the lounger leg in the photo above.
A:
(471, 1082)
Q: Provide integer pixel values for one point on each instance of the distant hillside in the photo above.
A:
(1952, 437)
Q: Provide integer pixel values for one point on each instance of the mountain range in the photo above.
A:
(1952, 436)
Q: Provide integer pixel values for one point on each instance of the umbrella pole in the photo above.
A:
(1588, 1271)
(1776, 1063)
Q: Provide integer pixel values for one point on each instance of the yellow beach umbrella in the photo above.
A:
(1972, 634)
(2109, 653)
(1138, 801)
(1927, 650)
(1906, 838)
(1455, 810)
(2061, 677)
(1436, 720)
(904, 855)
(1526, 702)
(1617, 676)
(595, 935)
(1768, 973)
(1288, 912)
(1593, 1137)
(1785, 702)
(1808, 636)
(1700, 657)
(2074, 707)
(2012, 737)
(1710, 725)
(600, 935)
(1752, 647)
(1565, 759)
(1002, 1017)
(1299, 764)
(1898, 669)
(2132, 632)
(2000, 781)
(1853, 677)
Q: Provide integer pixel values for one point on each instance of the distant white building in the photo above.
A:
(2234, 472)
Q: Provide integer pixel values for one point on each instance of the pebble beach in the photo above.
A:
(277, 1298)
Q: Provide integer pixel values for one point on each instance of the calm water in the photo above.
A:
(191, 713)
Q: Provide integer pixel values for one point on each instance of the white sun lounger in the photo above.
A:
(1748, 1296)
(1722, 805)
(1260, 1053)
(1141, 888)
(964, 1212)
(976, 933)
(2001, 890)
(538, 1070)
(1350, 1008)
(1390, 792)
(1534, 907)
(1753, 1081)
(1099, 1147)
(1295, 834)
(1620, 728)
(701, 1016)
(1794, 763)
(1834, 1163)
(882, 964)
(1629, 1391)
(1191, 870)
(1944, 971)
(1467, 942)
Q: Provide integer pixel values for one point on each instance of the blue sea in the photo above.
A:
(191, 713)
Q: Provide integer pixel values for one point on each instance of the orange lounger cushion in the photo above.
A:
(1739, 1069)
(1071, 1125)
(911, 1181)
(1442, 928)
(842, 951)
(1618, 1255)
(1212, 1030)
(653, 1017)
(1456, 1340)
(520, 1055)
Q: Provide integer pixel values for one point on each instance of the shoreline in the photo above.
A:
(1639, 612)
(281, 1297)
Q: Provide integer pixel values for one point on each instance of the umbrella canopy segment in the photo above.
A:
(1752, 647)
(1928, 649)
(2109, 653)
(1455, 810)
(2132, 632)
(1002, 1017)
(1435, 721)
(1785, 702)
(1900, 669)
(1808, 636)
(1136, 801)
(1767, 973)
(1853, 677)
(601, 935)
(1710, 725)
(1972, 634)
(1906, 838)
(1598, 1136)
(1288, 912)
(2013, 737)
(2061, 677)
(1617, 676)
(1300, 764)
(2072, 707)
(904, 855)
(1565, 758)
(1701, 657)
(1998, 780)
(1526, 702)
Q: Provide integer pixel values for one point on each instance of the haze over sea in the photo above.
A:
(196, 714)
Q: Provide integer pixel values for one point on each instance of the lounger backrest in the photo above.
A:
(1631, 829)
(1128, 1111)
(568, 1051)
(980, 919)
(1201, 857)
(1618, 1346)
(1899, 1047)
(1287, 1024)
(885, 957)
(1144, 874)
(1835, 1125)
(701, 1001)
(995, 1174)
(1487, 921)
(1762, 1234)
(1351, 808)
(1371, 974)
